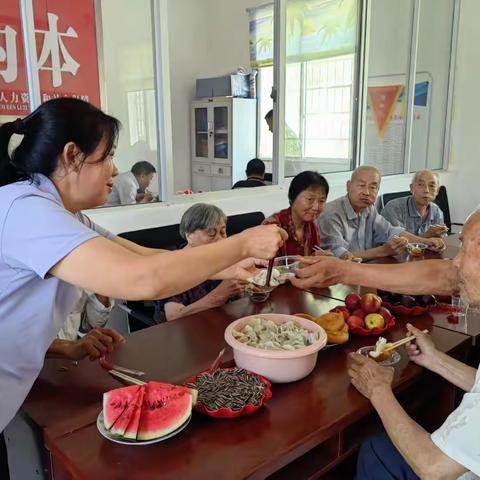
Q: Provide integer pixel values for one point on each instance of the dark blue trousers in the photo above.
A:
(378, 459)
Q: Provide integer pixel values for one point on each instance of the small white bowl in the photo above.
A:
(277, 366)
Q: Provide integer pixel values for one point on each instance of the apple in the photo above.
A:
(371, 303)
(355, 321)
(359, 313)
(352, 301)
(373, 320)
(343, 310)
(386, 314)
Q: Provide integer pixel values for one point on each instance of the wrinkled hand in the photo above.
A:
(263, 241)
(226, 290)
(395, 246)
(435, 244)
(321, 271)
(367, 376)
(347, 256)
(436, 231)
(421, 349)
(96, 343)
(245, 269)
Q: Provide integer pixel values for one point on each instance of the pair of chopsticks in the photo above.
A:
(126, 378)
(318, 249)
(405, 340)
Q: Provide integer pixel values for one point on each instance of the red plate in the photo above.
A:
(404, 311)
(227, 412)
(364, 332)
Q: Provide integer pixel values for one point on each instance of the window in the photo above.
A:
(321, 50)
(319, 103)
(141, 117)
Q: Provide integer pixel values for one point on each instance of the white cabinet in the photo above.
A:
(223, 141)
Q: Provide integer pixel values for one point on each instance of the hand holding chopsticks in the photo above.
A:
(407, 339)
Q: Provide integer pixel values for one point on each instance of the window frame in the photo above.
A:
(163, 98)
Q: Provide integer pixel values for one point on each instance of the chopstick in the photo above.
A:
(405, 340)
(269, 272)
(126, 378)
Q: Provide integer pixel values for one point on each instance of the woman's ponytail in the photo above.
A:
(9, 173)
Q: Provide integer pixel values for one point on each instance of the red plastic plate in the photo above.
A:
(364, 332)
(227, 412)
(404, 311)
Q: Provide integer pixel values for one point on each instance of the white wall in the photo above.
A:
(207, 38)
(464, 192)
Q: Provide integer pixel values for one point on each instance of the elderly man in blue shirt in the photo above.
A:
(351, 227)
(417, 213)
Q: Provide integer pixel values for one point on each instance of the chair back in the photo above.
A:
(166, 237)
(386, 197)
(442, 202)
(238, 223)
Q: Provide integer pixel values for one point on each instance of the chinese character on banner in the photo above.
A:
(67, 62)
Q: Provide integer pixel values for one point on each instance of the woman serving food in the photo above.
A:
(48, 248)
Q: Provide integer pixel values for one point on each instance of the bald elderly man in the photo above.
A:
(416, 212)
(407, 451)
(350, 226)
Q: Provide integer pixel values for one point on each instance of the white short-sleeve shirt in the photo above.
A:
(124, 192)
(36, 232)
(459, 436)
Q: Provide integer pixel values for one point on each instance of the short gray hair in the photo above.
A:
(201, 216)
(417, 174)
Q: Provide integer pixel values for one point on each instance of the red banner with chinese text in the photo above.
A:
(66, 50)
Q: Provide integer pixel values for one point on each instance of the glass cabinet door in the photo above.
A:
(201, 132)
(221, 132)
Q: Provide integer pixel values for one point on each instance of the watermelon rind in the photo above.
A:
(165, 408)
(115, 402)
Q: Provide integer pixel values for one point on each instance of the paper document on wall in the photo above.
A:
(386, 122)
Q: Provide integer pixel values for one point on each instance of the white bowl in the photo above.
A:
(277, 366)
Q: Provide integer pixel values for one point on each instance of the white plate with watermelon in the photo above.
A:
(125, 441)
(145, 414)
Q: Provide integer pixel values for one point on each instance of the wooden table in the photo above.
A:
(306, 428)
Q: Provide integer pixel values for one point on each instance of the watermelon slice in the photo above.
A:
(121, 424)
(165, 408)
(132, 428)
(115, 402)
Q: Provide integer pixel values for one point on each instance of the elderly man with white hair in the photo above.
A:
(416, 212)
(407, 451)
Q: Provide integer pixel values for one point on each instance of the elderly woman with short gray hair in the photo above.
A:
(201, 224)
